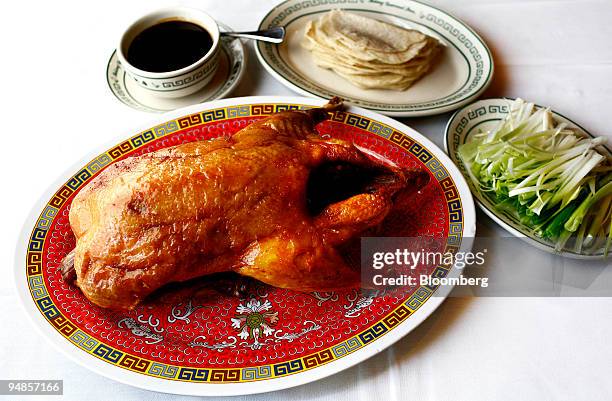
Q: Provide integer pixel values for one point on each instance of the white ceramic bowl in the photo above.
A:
(181, 82)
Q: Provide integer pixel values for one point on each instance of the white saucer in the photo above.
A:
(232, 63)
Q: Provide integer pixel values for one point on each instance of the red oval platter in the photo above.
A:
(198, 339)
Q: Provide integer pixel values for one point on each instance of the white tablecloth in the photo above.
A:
(56, 106)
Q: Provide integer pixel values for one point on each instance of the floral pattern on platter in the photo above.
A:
(254, 320)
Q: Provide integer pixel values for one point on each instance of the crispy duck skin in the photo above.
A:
(236, 203)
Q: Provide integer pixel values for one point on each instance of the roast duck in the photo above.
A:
(274, 202)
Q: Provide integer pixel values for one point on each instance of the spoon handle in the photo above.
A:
(273, 35)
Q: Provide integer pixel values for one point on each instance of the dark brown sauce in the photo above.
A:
(169, 46)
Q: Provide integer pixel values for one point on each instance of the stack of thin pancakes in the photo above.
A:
(370, 53)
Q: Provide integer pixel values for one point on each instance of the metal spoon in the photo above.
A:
(273, 35)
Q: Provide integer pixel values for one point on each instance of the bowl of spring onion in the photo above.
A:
(538, 174)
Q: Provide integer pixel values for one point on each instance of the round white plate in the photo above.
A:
(484, 115)
(462, 73)
(80, 329)
(232, 64)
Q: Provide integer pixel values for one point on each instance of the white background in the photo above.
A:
(56, 106)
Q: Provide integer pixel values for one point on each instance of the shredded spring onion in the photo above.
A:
(550, 178)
